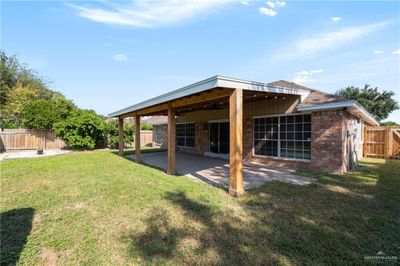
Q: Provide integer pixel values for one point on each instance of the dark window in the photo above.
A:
(266, 132)
(185, 135)
(292, 134)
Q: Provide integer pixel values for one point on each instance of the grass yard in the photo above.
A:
(99, 208)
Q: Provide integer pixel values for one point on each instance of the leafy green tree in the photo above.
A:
(147, 127)
(9, 68)
(113, 133)
(19, 86)
(389, 123)
(43, 114)
(86, 130)
(379, 104)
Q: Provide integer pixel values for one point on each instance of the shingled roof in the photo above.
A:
(157, 120)
(288, 84)
(315, 97)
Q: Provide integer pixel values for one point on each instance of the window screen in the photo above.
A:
(185, 135)
(285, 136)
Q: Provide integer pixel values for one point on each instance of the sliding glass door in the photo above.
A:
(219, 137)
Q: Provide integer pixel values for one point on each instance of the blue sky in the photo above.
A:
(109, 55)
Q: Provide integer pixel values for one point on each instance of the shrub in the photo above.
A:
(86, 130)
(41, 114)
(113, 133)
(147, 127)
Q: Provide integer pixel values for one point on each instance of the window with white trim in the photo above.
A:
(185, 135)
(283, 136)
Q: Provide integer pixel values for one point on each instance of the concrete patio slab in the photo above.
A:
(216, 171)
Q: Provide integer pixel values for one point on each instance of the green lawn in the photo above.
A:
(99, 208)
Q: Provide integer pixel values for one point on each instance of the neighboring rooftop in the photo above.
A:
(157, 120)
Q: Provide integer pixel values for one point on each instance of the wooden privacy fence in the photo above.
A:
(382, 142)
(146, 139)
(29, 139)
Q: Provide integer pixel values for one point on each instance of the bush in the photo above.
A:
(43, 114)
(86, 130)
(113, 133)
(147, 127)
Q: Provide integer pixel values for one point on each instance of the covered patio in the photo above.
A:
(215, 93)
(216, 171)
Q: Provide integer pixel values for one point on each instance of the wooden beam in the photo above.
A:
(121, 136)
(153, 109)
(171, 140)
(189, 100)
(137, 138)
(203, 97)
(132, 114)
(236, 142)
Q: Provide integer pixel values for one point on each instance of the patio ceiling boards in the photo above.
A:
(207, 84)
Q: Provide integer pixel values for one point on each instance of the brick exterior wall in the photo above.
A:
(161, 131)
(201, 140)
(329, 145)
(328, 141)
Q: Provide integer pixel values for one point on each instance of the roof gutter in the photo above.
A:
(353, 106)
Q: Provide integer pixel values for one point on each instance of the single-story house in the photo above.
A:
(278, 123)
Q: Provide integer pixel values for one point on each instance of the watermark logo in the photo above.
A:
(381, 257)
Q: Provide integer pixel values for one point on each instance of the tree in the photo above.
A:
(9, 67)
(389, 123)
(19, 86)
(379, 104)
(147, 127)
(86, 130)
(113, 133)
(43, 114)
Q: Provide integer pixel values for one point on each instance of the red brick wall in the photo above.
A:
(328, 141)
(329, 148)
(163, 132)
(201, 140)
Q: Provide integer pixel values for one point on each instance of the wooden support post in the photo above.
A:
(137, 138)
(121, 136)
(236, 142)
(171, 140)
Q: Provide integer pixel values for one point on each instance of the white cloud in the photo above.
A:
(147, 14)
(396, 51)
(120, 57)
(336, 19)
(267, 11)
(245, 3)
(270, 4)
(305, 76)
(378, 52)
(276, 4)
(280, 3)
(270, 11)
(334, 39)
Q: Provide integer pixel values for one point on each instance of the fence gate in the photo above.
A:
(382, 142)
